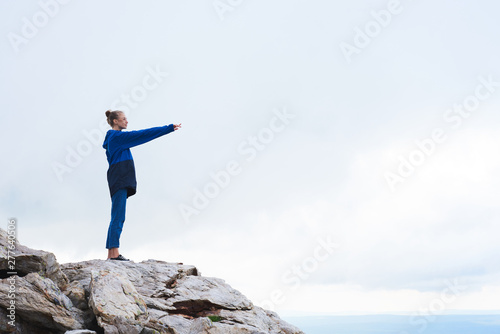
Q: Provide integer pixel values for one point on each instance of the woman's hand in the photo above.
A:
(177, 126)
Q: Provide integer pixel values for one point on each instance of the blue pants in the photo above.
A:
(118, 203)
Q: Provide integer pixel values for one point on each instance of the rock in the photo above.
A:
(32, 261)
(257, 320)
(194, 294)
(150, 277)
(40, 302)
(76, 293)
(20, 326)
(115, 297)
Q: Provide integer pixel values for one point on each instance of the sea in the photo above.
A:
(398, 324)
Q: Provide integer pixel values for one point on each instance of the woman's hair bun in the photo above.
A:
(112, 115)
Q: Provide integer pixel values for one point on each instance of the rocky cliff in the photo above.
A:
(114, 297)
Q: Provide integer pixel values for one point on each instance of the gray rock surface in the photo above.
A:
(32, 261)
(115, 297)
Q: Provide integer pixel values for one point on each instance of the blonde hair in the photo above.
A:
(112, 115)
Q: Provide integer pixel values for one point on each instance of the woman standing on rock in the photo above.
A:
(121, 172)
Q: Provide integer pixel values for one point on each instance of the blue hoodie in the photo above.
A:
(121, 172)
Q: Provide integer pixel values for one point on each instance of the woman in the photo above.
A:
(121, 172)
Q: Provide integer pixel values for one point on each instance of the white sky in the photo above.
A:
(320, 175)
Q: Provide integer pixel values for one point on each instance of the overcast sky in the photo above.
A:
(335, 156)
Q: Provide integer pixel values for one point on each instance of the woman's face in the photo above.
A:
(121, 122)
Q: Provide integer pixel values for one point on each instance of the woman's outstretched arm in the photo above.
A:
(128, 139)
